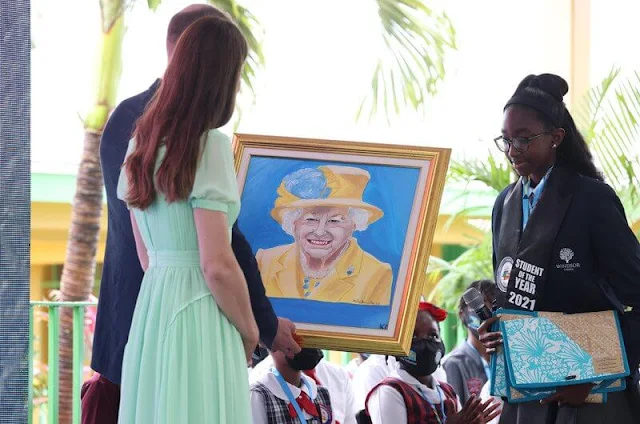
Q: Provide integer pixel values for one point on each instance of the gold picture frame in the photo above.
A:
(343, 312)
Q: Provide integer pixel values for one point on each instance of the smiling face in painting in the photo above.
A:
(321, 232)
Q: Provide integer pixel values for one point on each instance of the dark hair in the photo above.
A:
(181, 20)
(197, 93)
(487, 288)
(544, 94)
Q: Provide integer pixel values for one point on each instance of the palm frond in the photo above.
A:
(408, 71)
(589, 109)
(153, 4)
(630, 203)
(489, 171)
(467, 212)
(250, 28)
(455, 276)
(609, 118)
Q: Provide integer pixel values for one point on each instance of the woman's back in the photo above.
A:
(168, 226)
(193, 329)
(183, 361)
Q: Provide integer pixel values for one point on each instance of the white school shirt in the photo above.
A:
(258, 409)
(332, 377)
(386, 405)
(373, 371)
(352, 366)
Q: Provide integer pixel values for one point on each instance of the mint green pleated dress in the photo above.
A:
(184, 361)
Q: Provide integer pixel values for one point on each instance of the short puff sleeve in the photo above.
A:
(215, 186)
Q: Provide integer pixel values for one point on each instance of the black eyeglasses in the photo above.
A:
(521, 144)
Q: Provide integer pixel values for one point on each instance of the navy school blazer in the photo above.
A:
(122, 274)
(604, 271)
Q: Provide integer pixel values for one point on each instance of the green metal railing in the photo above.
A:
(53, 387)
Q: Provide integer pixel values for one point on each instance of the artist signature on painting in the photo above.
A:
(366, 302)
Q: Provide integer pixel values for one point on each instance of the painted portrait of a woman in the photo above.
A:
(322, 208)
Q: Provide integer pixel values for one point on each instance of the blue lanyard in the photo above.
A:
(485, 365)
(435, 411)
(287, 391)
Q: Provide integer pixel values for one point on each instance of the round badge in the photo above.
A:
(504, 273)
(474, 386)
(324, 414)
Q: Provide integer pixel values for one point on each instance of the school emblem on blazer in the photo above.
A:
(325, 415)
(566, 255)
(504, 273)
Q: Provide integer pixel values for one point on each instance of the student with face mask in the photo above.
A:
(412, 395)
(328, 375)
(376, 368)
(467, 366)
(285, 393)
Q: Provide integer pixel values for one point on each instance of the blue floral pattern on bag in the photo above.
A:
(500, 375)
(541, 353)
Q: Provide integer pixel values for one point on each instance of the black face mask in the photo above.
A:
(258, 355)
(306, 360)
(424, 357)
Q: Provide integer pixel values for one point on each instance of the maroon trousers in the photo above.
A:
(100, 401)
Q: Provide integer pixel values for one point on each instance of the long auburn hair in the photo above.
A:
(197, 93)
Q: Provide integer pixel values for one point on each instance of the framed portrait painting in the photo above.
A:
(342, 233)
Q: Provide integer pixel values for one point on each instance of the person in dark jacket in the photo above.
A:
(567, 229)
(122, 273)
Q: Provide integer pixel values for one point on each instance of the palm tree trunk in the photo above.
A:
(79, 268)
(80, 263)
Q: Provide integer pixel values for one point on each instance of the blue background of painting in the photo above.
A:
(391, 189)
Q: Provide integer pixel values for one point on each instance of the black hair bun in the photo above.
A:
(551, 84)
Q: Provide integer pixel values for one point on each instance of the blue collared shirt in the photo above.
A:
(530, 196)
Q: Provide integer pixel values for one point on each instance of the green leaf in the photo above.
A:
(473, 264)
(153, 4)
(609, 118)
(250, 28)
(374, 90)
(476, 262)
(416, 40)
(494, 174)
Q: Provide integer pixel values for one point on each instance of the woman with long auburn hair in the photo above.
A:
(193, 323)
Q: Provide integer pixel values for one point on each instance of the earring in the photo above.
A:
(554, 146)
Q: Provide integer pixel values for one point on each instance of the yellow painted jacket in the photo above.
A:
(360, 278)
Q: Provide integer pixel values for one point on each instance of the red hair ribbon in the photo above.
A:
(438, 314)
